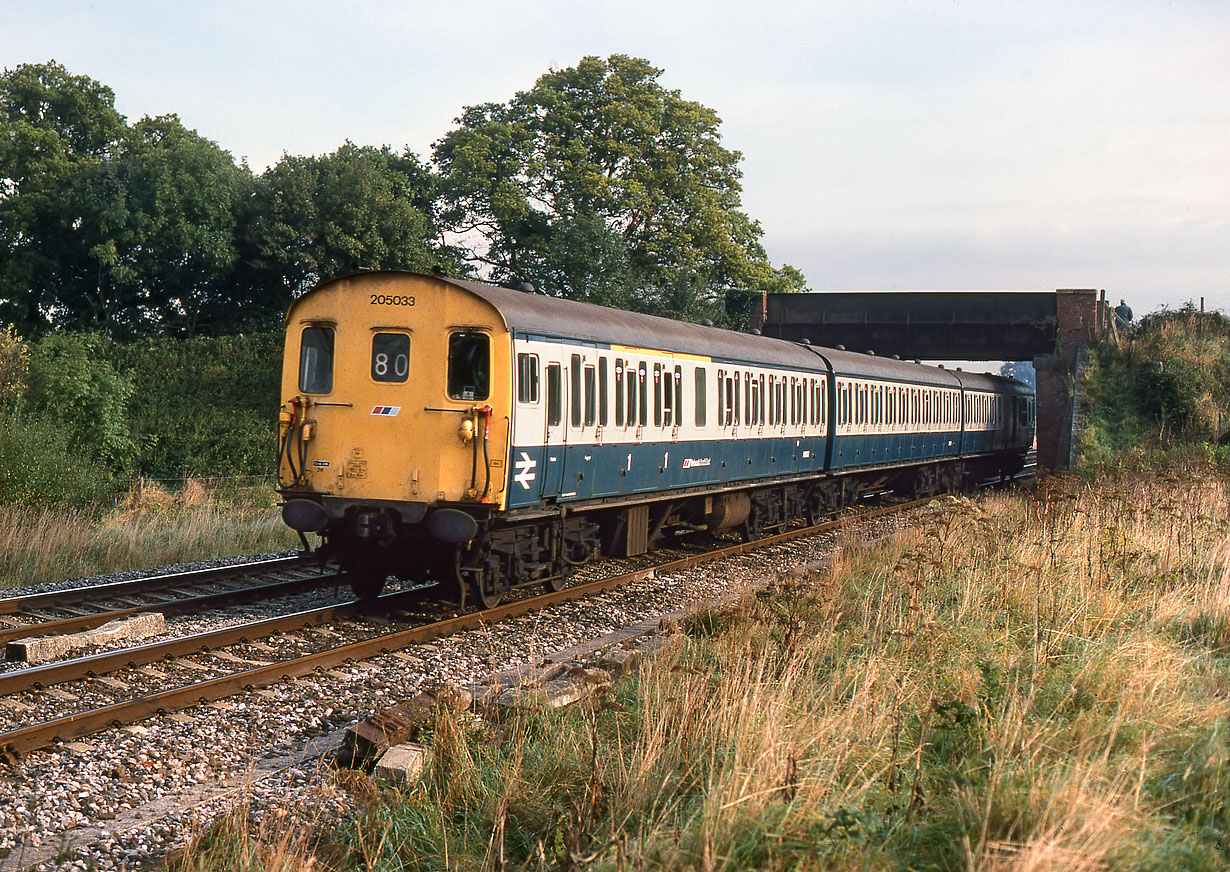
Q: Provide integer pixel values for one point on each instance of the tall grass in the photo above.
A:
(1020, 682)
(150, 526)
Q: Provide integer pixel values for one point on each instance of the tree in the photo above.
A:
(161, 213)
(53, 127)
(127, 230)
(313, 217)
(600, 184)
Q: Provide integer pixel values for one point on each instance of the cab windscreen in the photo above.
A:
(469, 366)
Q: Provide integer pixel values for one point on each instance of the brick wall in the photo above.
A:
(1078, 327)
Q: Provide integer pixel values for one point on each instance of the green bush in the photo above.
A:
(73, 384)
(39, 465)
(204, 406)
(14, 367)
(1170, 391)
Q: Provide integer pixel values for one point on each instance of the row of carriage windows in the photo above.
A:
(891, 405)
(646, 394)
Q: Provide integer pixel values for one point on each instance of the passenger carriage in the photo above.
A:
(492, 438)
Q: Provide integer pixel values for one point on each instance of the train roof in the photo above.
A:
(528, 312)
(538, 313)
(554, 316)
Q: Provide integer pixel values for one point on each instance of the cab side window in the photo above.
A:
(469, 366)
(316, 360)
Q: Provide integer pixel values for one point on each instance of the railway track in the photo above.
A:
(72, 610)
(231, 673)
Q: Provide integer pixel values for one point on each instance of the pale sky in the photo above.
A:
(939, 145)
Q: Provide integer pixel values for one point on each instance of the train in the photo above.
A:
(488, 438)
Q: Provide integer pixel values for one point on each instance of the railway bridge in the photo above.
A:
(1050, 328)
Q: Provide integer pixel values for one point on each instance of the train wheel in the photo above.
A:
(926, 482)
(366, 583)
(484, 594)
(556, 583)
(817, 509)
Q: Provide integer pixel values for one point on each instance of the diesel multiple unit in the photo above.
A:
(493, 438)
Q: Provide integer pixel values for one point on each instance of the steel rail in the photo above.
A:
(176, 606)
(17, 742)
(105, 662)
(88, 593)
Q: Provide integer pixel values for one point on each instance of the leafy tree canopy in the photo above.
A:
(313, 217)
(53, 127)
(161, 218)
(600, 184)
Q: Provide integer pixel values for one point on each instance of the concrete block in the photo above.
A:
(42, 649)
(563, 693)
(370, 739)
(620, 661)
(401, 765)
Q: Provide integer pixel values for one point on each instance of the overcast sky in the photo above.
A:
(946, 145)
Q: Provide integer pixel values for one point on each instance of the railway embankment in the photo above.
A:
(1025, 679)
(1162, 385)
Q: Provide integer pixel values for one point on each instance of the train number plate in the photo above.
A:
(391, 300)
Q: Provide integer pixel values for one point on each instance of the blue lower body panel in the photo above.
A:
(558, 473)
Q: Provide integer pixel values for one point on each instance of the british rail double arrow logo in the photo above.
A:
(525, 470)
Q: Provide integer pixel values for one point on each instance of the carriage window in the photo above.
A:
(632, 397)
(700, 396)
(657, 395)
(668, 398)
(619, 392)
(527, 378)
(576, 390)
(643, 377)
(316, 360)
(555, 399)
(678, 395)
(591, 397)
(469, 366)
(390, 357)
(603, 390)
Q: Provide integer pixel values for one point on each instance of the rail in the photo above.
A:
(15, 743)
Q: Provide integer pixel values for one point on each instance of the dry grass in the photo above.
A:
(1021, 683)
(151, 526)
